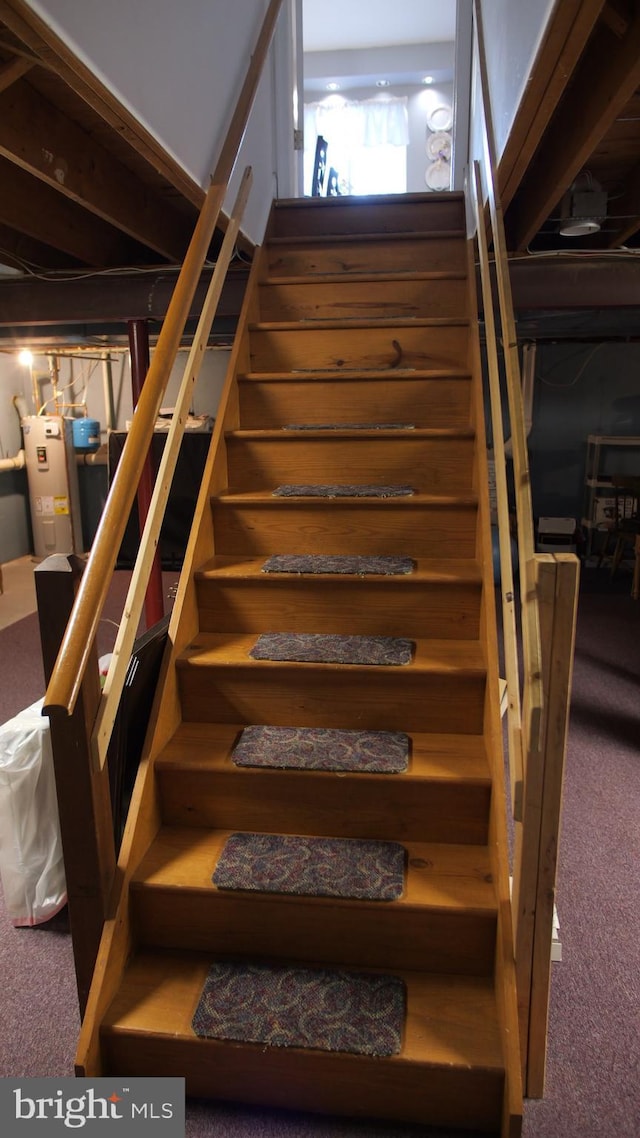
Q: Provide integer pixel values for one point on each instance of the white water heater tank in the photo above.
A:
(52, 475)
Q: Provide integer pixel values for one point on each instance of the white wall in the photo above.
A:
(513, 30)
(179, 68)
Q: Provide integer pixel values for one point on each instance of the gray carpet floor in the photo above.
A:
(593, 1083)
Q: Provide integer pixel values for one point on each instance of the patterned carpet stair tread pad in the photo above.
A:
(349, 427)
(332, 490)
(322, 749)
(330, 648)
(351, 565)
(353, 868)
(316, 1009)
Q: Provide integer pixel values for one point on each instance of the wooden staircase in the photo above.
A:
(357, 312)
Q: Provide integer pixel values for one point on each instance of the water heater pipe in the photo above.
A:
(18, 462)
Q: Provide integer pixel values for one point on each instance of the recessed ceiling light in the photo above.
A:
(333, 86)
(428, 79)
(383, 82)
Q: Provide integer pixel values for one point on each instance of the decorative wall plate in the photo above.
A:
(438, 175)
(439, 145)
(440, 118)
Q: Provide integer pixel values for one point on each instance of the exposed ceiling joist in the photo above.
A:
(603, 83)
(27, 204)
(12, 71)
(628, 207)
(55, 54)
(75, 165)
(570, 26)
(24, 252)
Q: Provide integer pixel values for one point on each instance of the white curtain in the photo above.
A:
(366, 142)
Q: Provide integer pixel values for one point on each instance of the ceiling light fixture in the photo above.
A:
(428, 80)
(383, 82)
(333, 86)
(584, 207)
(25, 358)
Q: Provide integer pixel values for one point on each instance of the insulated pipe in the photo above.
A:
(139, 348)
(18, 462)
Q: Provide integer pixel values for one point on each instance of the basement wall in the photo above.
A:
(84, 379)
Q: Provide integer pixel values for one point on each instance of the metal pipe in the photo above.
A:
(107, 384)
(139, 348)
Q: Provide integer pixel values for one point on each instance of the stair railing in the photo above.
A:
(537, 700)
(72, 676)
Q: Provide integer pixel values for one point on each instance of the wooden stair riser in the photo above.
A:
(342, 299)
(447, 1073)
(303, 216)
(266, 404)
(381, 699)
(360, 606)
(330, 932)
(430, 465)
(386, 807)
(335, 1084)
(443, 796)
(300, 257)
(389, 528)
(347, 349)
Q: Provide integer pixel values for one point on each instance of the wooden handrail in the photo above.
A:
(116, 674)
(532, 653)
(514, 714)
(75, 649)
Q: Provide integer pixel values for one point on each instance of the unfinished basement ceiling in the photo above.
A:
(119, 200)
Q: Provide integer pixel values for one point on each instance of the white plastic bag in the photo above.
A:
(31, 863)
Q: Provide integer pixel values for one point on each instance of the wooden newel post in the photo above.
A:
(84, 800)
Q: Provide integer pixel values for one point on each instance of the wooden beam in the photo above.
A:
(38, 137)
(33, 208)
(105, 299)
(604, 81)
(22, 251)
(558, 582)
(614, 19)
(12, 71)
(566, 35)
(628, 206)
(21, 19)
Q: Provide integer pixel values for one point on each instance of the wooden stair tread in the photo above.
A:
(359, 322)
(211, 649)
(421, 197)
(266, 497)
(450, 1022)
(366, 238)
(208, 746)
(435, 571)
(441, 877)
(362, 278)
(361, 374)
(390, 434)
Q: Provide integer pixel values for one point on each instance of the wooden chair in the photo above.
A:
(319, 168)
(624, 530)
